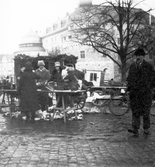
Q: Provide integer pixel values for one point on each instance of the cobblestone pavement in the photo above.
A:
(100, 140)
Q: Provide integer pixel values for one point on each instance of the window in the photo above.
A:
(30, 44)
(69, 37)
(64, 38)
(93, 76)
(82, 54)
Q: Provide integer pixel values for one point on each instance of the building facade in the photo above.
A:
(58, 37)
(6, 65)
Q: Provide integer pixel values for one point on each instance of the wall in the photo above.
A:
(6, 65)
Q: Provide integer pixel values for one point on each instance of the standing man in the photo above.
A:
(140, 84)
(41, 83)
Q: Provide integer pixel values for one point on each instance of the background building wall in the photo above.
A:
(6, 65)
(59, 37)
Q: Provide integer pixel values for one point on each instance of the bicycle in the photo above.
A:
(120, 104)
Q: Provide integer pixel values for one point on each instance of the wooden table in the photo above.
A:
(108, 87)
(12, 92)
(63, 95)
(6, 93)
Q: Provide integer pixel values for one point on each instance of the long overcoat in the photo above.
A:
(140, 82)
(27, 91)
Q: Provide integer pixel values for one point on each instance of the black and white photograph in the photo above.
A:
(77, 83)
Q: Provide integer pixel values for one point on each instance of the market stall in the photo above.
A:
(78, 99)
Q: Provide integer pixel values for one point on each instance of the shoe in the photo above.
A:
(146, 131)
(134, 131)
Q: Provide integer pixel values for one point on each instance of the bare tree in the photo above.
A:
(111, 28)
(54, 52)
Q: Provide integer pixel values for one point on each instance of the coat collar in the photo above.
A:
(139, 64)
(42, 70)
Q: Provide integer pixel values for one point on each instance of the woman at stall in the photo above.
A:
(56, 77)
(27, 91)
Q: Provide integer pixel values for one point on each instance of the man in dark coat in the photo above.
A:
(27, 91)
(139, 84)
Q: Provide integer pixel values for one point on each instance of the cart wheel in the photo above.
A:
(79, 103)
(98, 102)
(152, 110)
(119, 105)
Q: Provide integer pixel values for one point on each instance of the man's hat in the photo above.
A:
(139, 52)
(41, 63)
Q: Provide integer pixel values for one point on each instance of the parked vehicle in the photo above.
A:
(120, 104)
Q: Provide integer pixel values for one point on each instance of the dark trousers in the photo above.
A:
(43, 101)
(136, 119)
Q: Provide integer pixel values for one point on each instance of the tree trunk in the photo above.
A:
(123, 72)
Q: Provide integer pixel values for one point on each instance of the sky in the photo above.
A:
(17, 17)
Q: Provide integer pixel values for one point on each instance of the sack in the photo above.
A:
(74, 86)
(71, 82)
(71, 86)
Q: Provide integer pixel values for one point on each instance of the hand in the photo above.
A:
(38, 83)
(22, 69)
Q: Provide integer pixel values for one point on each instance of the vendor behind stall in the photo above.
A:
(41, 84)
(56, 77)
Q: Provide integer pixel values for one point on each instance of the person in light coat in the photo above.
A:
(41, 84)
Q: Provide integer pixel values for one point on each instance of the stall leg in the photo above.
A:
(64, 111)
